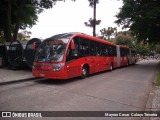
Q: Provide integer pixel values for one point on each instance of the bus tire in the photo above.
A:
(85, 71)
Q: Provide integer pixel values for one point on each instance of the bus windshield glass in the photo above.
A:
(52, 50)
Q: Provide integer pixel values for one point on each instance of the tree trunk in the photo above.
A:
(94, 18)
(15, 32)
(7, 26)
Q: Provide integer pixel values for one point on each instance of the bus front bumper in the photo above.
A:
(49, 74)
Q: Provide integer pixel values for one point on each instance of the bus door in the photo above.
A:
(99, 61)
(72, 63)
(105, 57)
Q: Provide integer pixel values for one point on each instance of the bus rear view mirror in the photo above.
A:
(72, 45)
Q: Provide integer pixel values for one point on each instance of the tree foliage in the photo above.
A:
(107, 33)
(143, 49)
(142, 17)
(91, 2)
(93, 22)
(126, 38)
(23, 35)
(19, 14)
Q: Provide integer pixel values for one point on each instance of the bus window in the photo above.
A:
(98, 49)
(83, 47)
(115, 50)
(124, 51)
(121, 51)
(110, 51)
(73, 54)
(92, 48)
(51, 51)
(104, 50)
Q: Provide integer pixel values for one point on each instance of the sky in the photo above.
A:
(70, 16)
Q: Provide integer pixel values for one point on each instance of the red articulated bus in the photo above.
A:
(69, 55)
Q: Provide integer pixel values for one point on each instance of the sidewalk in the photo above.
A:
(153, 102)
(156, 102)
(11, 76)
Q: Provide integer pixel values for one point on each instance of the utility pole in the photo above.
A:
(94, 17)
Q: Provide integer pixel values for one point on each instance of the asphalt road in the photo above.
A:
(124, 89)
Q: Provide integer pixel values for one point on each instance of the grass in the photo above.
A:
(157, 80)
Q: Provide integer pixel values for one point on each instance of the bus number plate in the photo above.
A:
(42, 75)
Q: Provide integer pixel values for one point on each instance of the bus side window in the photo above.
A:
(121, 52)
(110, 50)
(83, 47)
(115, 51)
(73, 54)
(92, 48)
(104, 50)
(98, 49)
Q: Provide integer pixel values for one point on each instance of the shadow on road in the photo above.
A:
(56, 81)
(18, 81)
(60, 82)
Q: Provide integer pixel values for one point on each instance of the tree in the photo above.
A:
(19, 14)
(107, 33)
(23, 35)
(143, 49)
(93, 22)
(5, 10)
(127, 39)
(124, 40)
(23, 16)
(142, 17)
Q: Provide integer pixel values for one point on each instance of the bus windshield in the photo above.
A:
(52, 50)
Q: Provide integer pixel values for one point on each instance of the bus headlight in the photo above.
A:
(34, 65)
(57, 67)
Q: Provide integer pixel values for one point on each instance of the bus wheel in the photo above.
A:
(84, 72)
(111, 67)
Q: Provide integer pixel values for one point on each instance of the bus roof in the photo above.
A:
(74, 34)
(94, 38)
(121, 46)
(70, 34)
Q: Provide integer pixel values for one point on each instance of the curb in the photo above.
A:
(148, 106)
(151, 95)
(19, 81)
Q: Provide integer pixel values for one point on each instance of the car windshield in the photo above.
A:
(52, 49)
